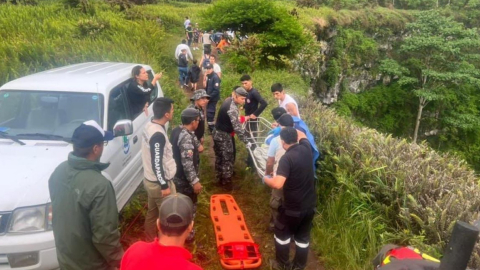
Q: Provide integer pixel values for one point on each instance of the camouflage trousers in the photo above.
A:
(183, 186)
(224, 155)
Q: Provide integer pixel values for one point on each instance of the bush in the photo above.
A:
(415, 193)
(92, 27)
(279, 33)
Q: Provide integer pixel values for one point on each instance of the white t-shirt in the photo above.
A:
(186, 23)
(206, 39)
(216, 68)
(288, 99)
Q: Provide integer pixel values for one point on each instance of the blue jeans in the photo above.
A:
(182, 75)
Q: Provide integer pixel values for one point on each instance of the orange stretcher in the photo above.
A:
(234, 242)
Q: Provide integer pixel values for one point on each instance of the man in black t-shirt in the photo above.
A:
(252, 109)
(295, 175)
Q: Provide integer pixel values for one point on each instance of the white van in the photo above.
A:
(38, 114)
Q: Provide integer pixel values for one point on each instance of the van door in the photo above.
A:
(117, 151)
(140, 119)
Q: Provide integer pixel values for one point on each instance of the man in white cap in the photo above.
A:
(84, 208)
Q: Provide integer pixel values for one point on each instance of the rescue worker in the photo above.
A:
(84, 208)
(158, 164)
(228, 122)
(199, 101)
(213, 90)
(296, 177)
(186, 148)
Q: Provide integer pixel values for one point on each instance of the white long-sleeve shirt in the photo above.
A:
(179, 49)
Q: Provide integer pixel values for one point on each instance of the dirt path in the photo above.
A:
(251, 196)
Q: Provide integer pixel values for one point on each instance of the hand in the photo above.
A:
(197, 188)
(252, 116)
(158, 76)
(200, 149)
(166, 192)
(267, 176)
(145, 109)
(274, 124)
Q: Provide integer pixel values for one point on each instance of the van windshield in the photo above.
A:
(38, 114)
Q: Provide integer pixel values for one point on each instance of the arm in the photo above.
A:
(269, 167)
(156, 78)
(276, 182)
(263, 103)
(237, 126)
(187, 149)
(104, 224)
(216, 86)
(291, 109)
(157, 145)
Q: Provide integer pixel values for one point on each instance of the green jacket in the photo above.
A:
(85, 216)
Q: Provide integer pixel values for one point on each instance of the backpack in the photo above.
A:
(206, 61)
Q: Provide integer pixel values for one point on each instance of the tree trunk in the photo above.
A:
(419, 117)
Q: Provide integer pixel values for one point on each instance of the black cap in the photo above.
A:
(190, 112)
(90, 133)
(176, 211)
(285, 120)
(208, 66)
(277, 112)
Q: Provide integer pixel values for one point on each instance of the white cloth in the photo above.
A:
(179, 49)
(216, 68)
(288, 99)
(206, 39)
(186, 23)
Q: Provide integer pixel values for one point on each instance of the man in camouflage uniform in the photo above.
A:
(199, 101)
(186, 148)
(227, 123)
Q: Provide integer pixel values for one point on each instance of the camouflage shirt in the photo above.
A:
(237, 126)
(200, 131)
(188, 145)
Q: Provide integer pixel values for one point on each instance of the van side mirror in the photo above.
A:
(123, 127)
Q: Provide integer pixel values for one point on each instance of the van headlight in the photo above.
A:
(31, 219)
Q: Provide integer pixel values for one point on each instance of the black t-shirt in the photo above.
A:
(223, 122)
(138, 96)
(252, 101)
(296, 166)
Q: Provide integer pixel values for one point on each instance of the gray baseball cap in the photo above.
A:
(241, 91)
(200, 93)
(176, 211)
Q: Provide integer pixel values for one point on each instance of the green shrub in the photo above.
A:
(92, 27)
(417, 193)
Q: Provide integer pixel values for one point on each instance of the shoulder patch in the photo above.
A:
(190, 153)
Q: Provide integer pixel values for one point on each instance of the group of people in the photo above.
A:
(85, 214)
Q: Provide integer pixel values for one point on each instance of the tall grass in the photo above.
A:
(36, 38)
(376, 189)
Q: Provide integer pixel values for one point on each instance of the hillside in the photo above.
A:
(374, 187)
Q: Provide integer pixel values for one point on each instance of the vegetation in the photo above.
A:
(279, 35)
(373, 188)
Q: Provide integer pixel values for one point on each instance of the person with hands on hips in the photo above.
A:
(139, 90)
(158, 163)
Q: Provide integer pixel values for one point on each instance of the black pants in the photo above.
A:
(297, 224)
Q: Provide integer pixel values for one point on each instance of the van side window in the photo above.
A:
(117, 105)
(154, 93)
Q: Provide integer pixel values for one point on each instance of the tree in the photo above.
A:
(280, 34)
(437, 58)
